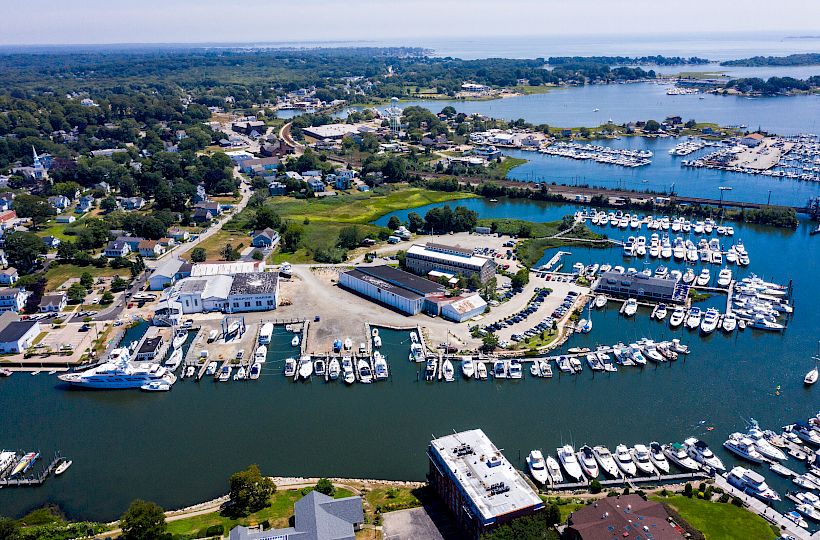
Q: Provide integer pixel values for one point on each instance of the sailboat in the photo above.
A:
(811, 376)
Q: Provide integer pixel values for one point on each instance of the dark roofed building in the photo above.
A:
(627, 516)
(639, 286)
(18, 336)
(396, 288)
(316, 517)
(150, 348)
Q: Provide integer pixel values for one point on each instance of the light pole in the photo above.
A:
(722, 189)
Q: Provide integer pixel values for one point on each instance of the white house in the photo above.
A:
(12, 299)
(66, 218)
(18, 336)
(464, 309)
(167, 274)
(254, 291)
(150, 249)
(117, 248)
(9, 276)
(54, 302)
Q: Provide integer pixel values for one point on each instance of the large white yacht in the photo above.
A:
(763, 446)
(752, 484)
(607, 462)
(624, 460)
(744, 447)
(657, 457)
(677, 455)
(640, 455)
(700, 452)
(537, 466)
(119, 372)
(587, 460)
(566, 455)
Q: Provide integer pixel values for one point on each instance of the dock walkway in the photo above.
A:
(660, 478)
(33, 480)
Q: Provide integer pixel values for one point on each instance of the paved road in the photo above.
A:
(285, 136)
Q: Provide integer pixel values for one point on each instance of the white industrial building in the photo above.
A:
(392, 287)
(464, 309)
(423, 259)
(254, 291)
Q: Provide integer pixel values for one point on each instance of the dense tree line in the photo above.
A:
(656, 60)
(773, 85)
(802, 59)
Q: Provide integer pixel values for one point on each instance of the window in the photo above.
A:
(247, 304)
(236, 304)
(259, 302)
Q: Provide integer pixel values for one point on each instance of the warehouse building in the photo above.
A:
(464, 308)
(256, 291)
(641, 287)
(423, 259)
(476, 482)
(392, 287)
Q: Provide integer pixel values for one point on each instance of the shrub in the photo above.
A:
(724, 498)
(687, 490)
(595, 486)
(215, 530)
(737, 502)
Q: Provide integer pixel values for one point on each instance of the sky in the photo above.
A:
(219, 21)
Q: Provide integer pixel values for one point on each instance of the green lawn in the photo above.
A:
(506, 165)
(513, 226)
(58, 274)
(719, 521)
(567, 506)
(276, 514)
(394, 498)
(214, 244)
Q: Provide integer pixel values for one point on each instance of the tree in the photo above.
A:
(595, 486)
(23, 249)
(66, 250)
(325, 486)
(520, 279)
(9, 529)
(144, 520)
(393, 223)
(651, 126)
(250, 491)
(350, 237)
(229, 253)
(118, 284)
(87, 280)
(415, 222)
(106, 298)
(76, 293)
(489, 342)
(109, 204)
(257, 255)
(291, 238)
(198, 255)
(35, 208)
(267, 217)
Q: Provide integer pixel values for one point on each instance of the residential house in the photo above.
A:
(132, 241)
(168, 273)
(277, 188)
(17, 336)
(105, 187)
(212, 207)
(343, 182)
(117, 248)
(51, 242)
(166, 243)
(180, 235)
(150, 249)
(151, 348)
(266, 238)
(85, 205)
(132, 203)
(66, 218)
(9, 276)
(52, 303)
(13, 299)
(5, 204)
(202, 215)
(200, 195)
(263, 164)
(60, 202)
(316, 185)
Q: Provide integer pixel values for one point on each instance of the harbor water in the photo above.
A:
(178, 448)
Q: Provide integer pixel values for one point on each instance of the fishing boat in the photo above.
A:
(290, 367)
(379, 366)
(179, 338)
(538, 467)
(174, 360)
(416, 352)
(554, 470)
(658, 458)
(481, 371)
(295, 341)
(255, 371)
(155, 386)
(566, 455)
(62, 467)
(752, 483)
(729, 322)
(606, 461)
(365, 374)
(305, 367)
(25, 463)
(586, 458)
(430, 369)
(467, 367)
(660, 312)
(688, 276)
(333, 369)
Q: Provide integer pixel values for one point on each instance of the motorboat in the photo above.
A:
(24, 464)
(677, 454)
(693, 318)
(333, 369)
(319, 367)
(261, 354)
(224, 373)
(641, 458)
(710, 321)
(380, 371)
(554, 470)
(538, 467)
(752, 483)
(807, 433)
(594, 363)
(337, 345)
(174, 360)
(179, 338)
(704, 278)
(414, 337)
(514, 369)
(700, 452)
(781, 470)
(118, 372)
(155, 386)
(377, 340)
(566, 455)
(586, 458)
(365, 375)
(584, 326)
(806, 481)
(795, 517)
(189, 371)
(744, 447)
(637, 355)
(468, 368)
(290, 367)
(624, 460)
(265, 333)
(724, 277)
(811, 376)
(729, 322)
(347, 370)
(600, 301)
(630, 307)
(481, 371)
(658, 458)
(232, 328)
(62, 467)
(606, 461)
(660, 312)
(653, 353)
(430, 369)
(677, 318)
(688, 276)
(305, 367)
(763, 446)
(809, 510)
(295, 341)
(255, 370)
(348, 344)
(416, 352)
(240, 374)
(211, 369)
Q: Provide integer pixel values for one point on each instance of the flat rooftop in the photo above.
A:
(445, 254)
(484, 474)
(393, 278)
(254, 283)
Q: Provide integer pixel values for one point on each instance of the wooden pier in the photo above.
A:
(33, 480)
(659, 478)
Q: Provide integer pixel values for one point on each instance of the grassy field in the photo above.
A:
(389, 499)
(58, 274)
(513, 226)
(508, 164)
(214, 244)
(719, 521)
(276, 514)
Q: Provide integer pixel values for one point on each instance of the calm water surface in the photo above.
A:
(179, 448)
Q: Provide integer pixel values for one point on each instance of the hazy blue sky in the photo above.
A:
(175, 21)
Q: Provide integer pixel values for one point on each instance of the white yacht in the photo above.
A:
(179, 339)
(677, 454)
(729, 322)
(333, 369)
(305, 367)
(347, 370)
(700, 452)
(538, 467)
(744, 447)
(677, 317)
(763, 446)
(704, 278)
(693, 318)
(290, 367)
(118, 372)
(481, 371)
(606, 461)
(468, 368)
(380, 370)
(752, 483)
(641, 458)
(630, 307)
(660, 312)
(587, 460)
(240, 374)
(566, 455)
(255, 371)
(365, 374)
(689, 276)
(710, 321)
(295, 341)
(657, 457)
(554, 470)
(514, 369)
(724, 277)
(174, 360)
(261, 354)
(624, 460)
